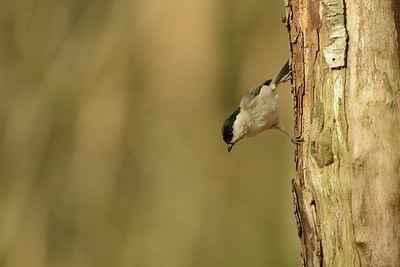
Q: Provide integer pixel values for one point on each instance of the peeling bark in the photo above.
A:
(346, 76)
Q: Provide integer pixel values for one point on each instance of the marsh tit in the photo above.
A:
(257, 112)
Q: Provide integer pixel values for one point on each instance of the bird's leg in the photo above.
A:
(295, 139)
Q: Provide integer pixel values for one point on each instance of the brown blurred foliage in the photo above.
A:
(111, 151)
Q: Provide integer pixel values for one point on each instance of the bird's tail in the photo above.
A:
(282, 76)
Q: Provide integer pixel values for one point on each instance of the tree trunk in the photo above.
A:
(346, 76)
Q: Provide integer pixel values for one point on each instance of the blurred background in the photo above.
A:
(110, 128)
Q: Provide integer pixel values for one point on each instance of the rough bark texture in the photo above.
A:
(346, 77)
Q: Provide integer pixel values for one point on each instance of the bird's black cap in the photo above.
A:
(227, 128)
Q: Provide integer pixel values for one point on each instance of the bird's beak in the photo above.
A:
(230, 147)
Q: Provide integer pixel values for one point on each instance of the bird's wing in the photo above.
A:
(252, 93)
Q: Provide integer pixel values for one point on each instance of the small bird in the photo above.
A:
(257, 111)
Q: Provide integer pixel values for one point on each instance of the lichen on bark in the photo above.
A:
(333, 16)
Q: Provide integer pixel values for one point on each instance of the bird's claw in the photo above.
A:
(296, 139)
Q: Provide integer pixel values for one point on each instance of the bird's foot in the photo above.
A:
(296, 139)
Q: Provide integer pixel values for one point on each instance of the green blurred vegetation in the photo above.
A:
(111, 149)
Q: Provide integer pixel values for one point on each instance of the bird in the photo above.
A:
(257, 111)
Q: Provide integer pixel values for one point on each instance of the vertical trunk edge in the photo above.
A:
(346, 79)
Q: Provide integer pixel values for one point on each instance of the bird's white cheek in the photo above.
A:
(240, 127)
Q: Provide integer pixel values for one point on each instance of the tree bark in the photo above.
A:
(346, 76)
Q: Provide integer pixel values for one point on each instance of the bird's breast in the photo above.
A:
(263, 116)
